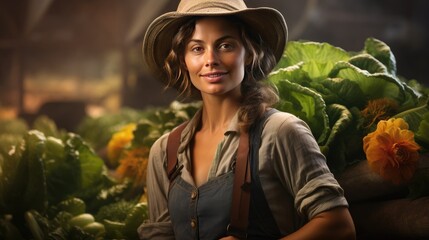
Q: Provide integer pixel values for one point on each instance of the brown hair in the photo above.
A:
(257, 94)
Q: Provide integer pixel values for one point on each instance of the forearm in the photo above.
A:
(333, 224)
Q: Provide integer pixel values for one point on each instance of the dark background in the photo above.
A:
(46, 45)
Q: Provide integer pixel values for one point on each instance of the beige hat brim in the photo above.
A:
(268, 22)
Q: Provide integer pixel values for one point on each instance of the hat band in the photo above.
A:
(210, 7)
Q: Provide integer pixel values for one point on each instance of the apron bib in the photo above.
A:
(201, 213)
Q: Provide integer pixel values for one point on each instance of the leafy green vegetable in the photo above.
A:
(382, 52)
(341, 117)
(23, 179)
(374, 86)
(422, 134)
(329, 87)
(368, 63)
(414, 116)
(91, 165)
(307, 105)
(344, 92)
(48, 127)
(97, 131)
(134, 219)
(117, 211)
(73, 168)
(317, 58)
(13, 126)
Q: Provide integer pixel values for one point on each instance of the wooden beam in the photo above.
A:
(36, 9)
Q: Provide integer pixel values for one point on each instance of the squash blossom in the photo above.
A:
(391, 150)
(119, 141)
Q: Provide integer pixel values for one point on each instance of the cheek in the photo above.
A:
(192, 65)
(238, 63)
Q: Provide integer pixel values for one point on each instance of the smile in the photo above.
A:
(213, 75)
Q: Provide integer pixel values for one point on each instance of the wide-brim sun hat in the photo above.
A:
(269, 23)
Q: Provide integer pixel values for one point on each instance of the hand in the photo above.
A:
(229, 238)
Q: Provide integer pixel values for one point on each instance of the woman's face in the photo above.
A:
(215, 57)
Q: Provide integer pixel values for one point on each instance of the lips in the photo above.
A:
(213, 75)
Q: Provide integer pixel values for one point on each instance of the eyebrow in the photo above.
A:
(218, 40)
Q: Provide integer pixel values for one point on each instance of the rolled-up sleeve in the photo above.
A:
(158, 226)
(303, 169)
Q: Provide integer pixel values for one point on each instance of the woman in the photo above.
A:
(220, 51)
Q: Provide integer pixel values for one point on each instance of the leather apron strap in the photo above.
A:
(241, 190)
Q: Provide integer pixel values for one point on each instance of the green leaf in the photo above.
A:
(46, 125)
(91, 165)
(134, 219)
(62, 170)
(368, 62)
(13, 126)
(35, 196)
(317, 58)
(344, 92)
(341, 117)
(23, 179)
(374, 86)
(296, 74)
(307, 105)
(293, 73)
(10, 189)
(142, 135)
(422, 134)
(414, 116)
(382, 52)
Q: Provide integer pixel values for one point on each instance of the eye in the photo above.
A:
(194, 48)
(226, 46)
(197, 49)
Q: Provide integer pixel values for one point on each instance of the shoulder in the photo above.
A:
(287, 130)
(159, 147)
(283, 122)
(157, 153)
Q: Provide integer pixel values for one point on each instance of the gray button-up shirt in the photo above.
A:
(294, 175)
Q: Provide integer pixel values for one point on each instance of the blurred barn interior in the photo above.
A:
(72, 58)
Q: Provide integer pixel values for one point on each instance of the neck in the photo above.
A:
(217, 114)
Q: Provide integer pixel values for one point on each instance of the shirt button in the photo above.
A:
(194, 194)
(193, 223)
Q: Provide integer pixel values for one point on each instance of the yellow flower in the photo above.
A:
(391, 150)
(119, 141)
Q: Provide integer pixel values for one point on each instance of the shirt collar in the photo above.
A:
(190, 129)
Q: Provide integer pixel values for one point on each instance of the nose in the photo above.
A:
(211, 58)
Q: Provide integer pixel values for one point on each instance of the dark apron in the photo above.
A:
(201, 213)
(204, 212)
